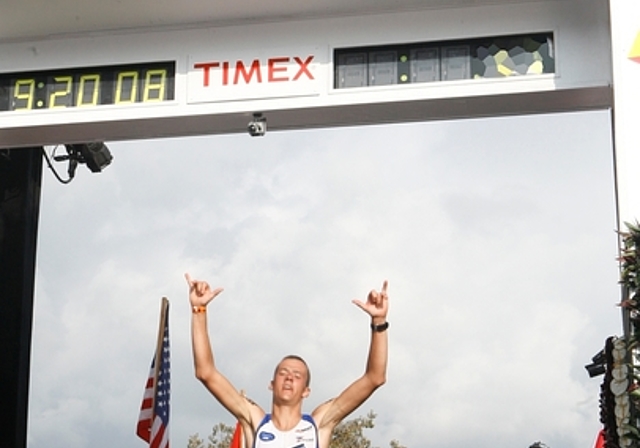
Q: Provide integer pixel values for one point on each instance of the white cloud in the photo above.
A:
(498, 246)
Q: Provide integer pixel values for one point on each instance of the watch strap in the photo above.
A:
(379, 328)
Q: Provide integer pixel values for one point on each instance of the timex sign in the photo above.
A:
(277, 76)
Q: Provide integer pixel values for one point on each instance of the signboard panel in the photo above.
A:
(275, 74)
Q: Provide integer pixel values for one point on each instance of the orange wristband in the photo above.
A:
(198, 309)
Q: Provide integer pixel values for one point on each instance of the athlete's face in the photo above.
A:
(290, 381)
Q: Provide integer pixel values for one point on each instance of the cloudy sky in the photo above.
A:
(496, 235)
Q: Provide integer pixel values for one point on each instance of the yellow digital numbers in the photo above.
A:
(154, 85)
(127, 87)
(88, 90)
(24, 93)
(60, 98)
(91, 87)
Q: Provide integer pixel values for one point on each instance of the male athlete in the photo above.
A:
(286, 426)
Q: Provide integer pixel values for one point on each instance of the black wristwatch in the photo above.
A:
(381, 327)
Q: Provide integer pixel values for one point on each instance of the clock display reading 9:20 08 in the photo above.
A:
(88, 87)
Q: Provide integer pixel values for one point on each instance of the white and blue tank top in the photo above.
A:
(303, 435)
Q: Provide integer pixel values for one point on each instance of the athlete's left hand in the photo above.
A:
(377, 304)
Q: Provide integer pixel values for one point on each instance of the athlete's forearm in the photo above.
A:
(378, 352)
(201, 345)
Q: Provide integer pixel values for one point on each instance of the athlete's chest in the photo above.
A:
(304, 435)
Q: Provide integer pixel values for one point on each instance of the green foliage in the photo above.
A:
(220, 437)
(630, 261)
(348, 434)
(195, 441)
(396, 444)
(620, 410)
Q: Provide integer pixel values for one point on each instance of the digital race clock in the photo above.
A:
(88, 87)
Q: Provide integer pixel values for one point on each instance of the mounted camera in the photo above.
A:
(258, 126)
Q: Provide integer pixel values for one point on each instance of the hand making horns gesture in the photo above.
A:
(200, 293)
(377, 304)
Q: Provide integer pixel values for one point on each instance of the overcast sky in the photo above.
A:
(496, 235)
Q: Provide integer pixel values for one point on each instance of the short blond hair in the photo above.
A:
(297, 358)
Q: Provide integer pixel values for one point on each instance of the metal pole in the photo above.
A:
(20, 182)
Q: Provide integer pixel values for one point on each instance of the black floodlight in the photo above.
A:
(95, 154)
(597, 366)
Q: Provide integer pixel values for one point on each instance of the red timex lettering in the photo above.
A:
(277, 70)
(271, 63)
(206, 66)
(303, 67)
(240, 70)
(225, 73)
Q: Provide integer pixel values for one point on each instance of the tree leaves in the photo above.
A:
(348, 434)
(220, 437)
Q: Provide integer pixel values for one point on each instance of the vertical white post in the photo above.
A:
(625, 40)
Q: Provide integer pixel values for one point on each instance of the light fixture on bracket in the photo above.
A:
(258, 126)
(95, 155)
(598, 365)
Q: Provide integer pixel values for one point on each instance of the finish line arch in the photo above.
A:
(399, 64)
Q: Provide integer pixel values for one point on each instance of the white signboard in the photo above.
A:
(214, 77)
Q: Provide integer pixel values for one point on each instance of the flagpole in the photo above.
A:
(156, 365)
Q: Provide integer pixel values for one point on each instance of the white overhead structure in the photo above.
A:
(206, 67)
(41, 19)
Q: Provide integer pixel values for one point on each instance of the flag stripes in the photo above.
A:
(153, 420)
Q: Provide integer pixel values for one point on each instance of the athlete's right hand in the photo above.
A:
(200, 293)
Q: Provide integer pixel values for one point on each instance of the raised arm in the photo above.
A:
(329, 414)
(200, 294)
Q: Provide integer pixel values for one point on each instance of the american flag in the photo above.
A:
(153, 421)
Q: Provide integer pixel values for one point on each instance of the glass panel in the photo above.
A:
(455, 63)
(352, 70)
(492, 57)
(425, 65)
(383, 68)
